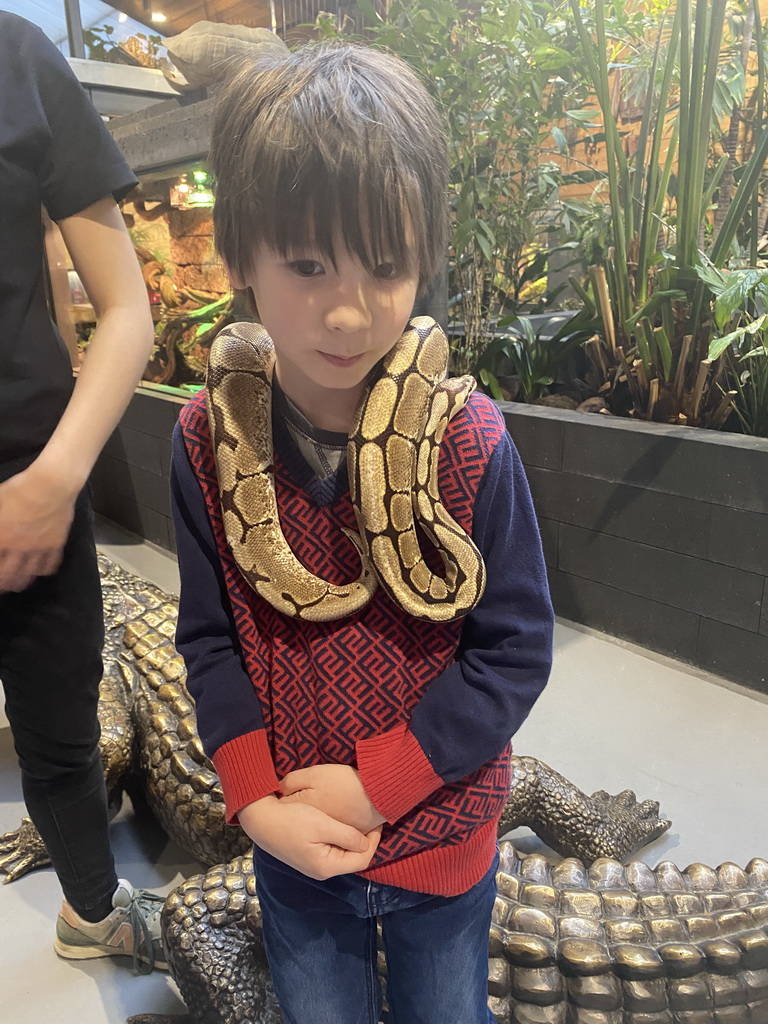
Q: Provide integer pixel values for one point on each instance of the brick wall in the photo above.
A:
(655, 534)
(195, 263)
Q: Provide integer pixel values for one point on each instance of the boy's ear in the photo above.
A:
(236, 280)
(245, 303)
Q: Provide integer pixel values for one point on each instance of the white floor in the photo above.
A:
(611, 718)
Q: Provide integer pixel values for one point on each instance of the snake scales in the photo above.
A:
(392, 459)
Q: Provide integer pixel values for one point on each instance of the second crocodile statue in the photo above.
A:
(568, 945)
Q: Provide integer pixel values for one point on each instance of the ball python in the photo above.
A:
(392, 460)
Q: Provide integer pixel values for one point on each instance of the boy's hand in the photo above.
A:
(335, 789)
(306, 839)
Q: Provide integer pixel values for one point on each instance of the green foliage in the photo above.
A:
(518, 83)
(719, 345)
(533, 356)
(98, 43)
(653, 287)
(504, 76)
(738, 291)
(751, 381)
(740, 296)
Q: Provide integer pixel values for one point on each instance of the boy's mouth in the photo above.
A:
(341, 361)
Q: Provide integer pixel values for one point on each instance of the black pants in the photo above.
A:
(51, 638)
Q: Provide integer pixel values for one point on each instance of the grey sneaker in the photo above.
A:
(132, 929)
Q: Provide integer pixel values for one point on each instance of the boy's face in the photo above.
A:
(330, 326)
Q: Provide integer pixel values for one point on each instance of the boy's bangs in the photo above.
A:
(332, 147)
(375, 215)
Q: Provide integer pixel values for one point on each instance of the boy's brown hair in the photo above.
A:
(330, 144)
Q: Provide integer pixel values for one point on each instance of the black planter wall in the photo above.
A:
(655, 534)
(131, 480)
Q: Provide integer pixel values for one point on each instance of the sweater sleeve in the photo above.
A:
(229, 716)
(469, 712)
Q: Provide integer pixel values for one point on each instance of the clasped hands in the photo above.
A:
(323, 825)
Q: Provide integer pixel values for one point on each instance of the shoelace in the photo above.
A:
(139, 910)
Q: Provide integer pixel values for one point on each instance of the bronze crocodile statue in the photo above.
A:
(569, 945)
(149, 729)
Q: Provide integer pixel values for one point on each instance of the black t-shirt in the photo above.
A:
(54, 151)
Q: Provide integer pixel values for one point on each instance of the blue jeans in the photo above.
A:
(320, 939)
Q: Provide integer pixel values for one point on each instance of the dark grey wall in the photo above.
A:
(655, 534)
(131, 479)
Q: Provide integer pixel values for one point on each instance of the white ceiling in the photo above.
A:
(49, 16)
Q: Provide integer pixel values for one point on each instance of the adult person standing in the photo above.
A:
(56, 152)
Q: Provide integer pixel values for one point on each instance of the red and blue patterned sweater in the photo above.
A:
(423, 710)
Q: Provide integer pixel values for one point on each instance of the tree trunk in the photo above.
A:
(471, 279)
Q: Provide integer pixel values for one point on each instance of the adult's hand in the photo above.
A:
(307, 839)
(36, 511)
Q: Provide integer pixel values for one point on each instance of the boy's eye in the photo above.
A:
(386, 272)
(307, 268)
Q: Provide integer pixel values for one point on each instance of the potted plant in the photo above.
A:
(654, 529)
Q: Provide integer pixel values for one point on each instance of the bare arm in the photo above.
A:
(106, 262)
(36, 506)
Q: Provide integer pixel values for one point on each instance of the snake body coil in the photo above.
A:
(392, 458)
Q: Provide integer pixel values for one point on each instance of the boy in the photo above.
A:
(366, 755)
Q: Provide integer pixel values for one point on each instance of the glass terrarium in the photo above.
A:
(169, 219)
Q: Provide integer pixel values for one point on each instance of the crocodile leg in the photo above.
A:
(572, 823)
(22, 851)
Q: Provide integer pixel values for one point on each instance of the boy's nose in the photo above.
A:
(349, 314)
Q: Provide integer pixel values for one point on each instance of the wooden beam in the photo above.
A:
(181, 14)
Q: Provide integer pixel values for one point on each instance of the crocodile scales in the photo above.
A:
(607, 944)
(569, 945)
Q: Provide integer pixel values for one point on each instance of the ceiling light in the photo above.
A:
(158, 16)
(122, 16)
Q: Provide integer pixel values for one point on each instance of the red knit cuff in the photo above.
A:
(395, 772)
(246, 771)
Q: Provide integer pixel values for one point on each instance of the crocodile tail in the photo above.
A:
(216, 915)
(629, 944)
